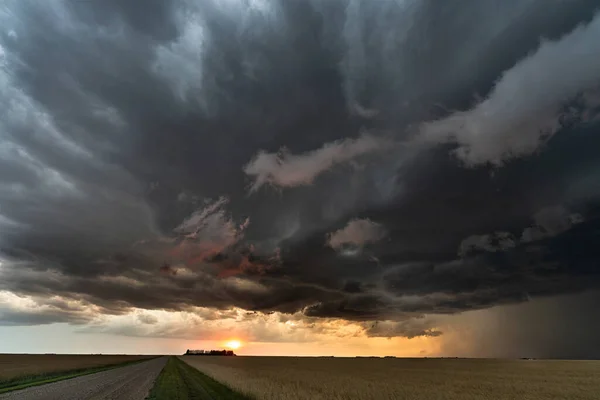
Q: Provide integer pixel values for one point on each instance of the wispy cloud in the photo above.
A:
(284, 169)
(550, 222)
(207, 232)
(497, 241)
(357, 232)
(525, 107)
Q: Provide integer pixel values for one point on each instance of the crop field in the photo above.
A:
(18, 366)
(279, 378)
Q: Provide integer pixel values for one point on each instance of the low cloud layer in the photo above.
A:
(428, 160)
(409, 329)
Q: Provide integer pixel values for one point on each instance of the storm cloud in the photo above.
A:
(225, 154)
(527, 104)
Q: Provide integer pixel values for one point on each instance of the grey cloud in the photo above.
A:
(524, 108)
(549, 222)
(357, 232)
(208, 232)
(559, 327)
(200, 324)
(180, 61)
(364, 112)
(497, 241)
(40, 310)
(43, 317)
(410, 329)
(111, 114)
(147, 319)
(289, 170)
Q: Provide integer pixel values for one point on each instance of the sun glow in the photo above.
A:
(233, 344)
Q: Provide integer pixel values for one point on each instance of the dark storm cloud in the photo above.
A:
(556, 327)
(20, 318)
(409, 329)
(208, 153)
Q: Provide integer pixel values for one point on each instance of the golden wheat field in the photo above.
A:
(283, 378)
(18, 365)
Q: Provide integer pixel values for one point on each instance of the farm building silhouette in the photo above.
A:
(209, 353)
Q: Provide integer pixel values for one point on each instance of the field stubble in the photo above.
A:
(284, 378)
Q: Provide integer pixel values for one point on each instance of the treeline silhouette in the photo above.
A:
(209, 353)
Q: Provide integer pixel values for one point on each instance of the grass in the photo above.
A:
(21, 371)
(179, 381)
(283, 378)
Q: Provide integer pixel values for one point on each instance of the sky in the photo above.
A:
(309, 177)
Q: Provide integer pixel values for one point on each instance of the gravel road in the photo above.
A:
(132, 382)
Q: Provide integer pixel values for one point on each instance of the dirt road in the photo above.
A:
(132, 382)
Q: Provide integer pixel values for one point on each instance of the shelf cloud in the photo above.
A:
(382, 164)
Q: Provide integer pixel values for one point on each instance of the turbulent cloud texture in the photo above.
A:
(429, 160)
(288, 170)
(357, 232)
(525, 107)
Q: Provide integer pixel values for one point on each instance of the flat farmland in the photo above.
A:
(16, 366)
(131, 381)
(283, 378)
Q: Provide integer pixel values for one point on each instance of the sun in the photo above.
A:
(233, 344)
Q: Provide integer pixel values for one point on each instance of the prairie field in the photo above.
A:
(14, 366)
(282, 378)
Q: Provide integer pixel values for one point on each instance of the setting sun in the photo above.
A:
(233, 344)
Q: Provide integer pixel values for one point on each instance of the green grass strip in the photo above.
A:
(179, 381)
(36, 380)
